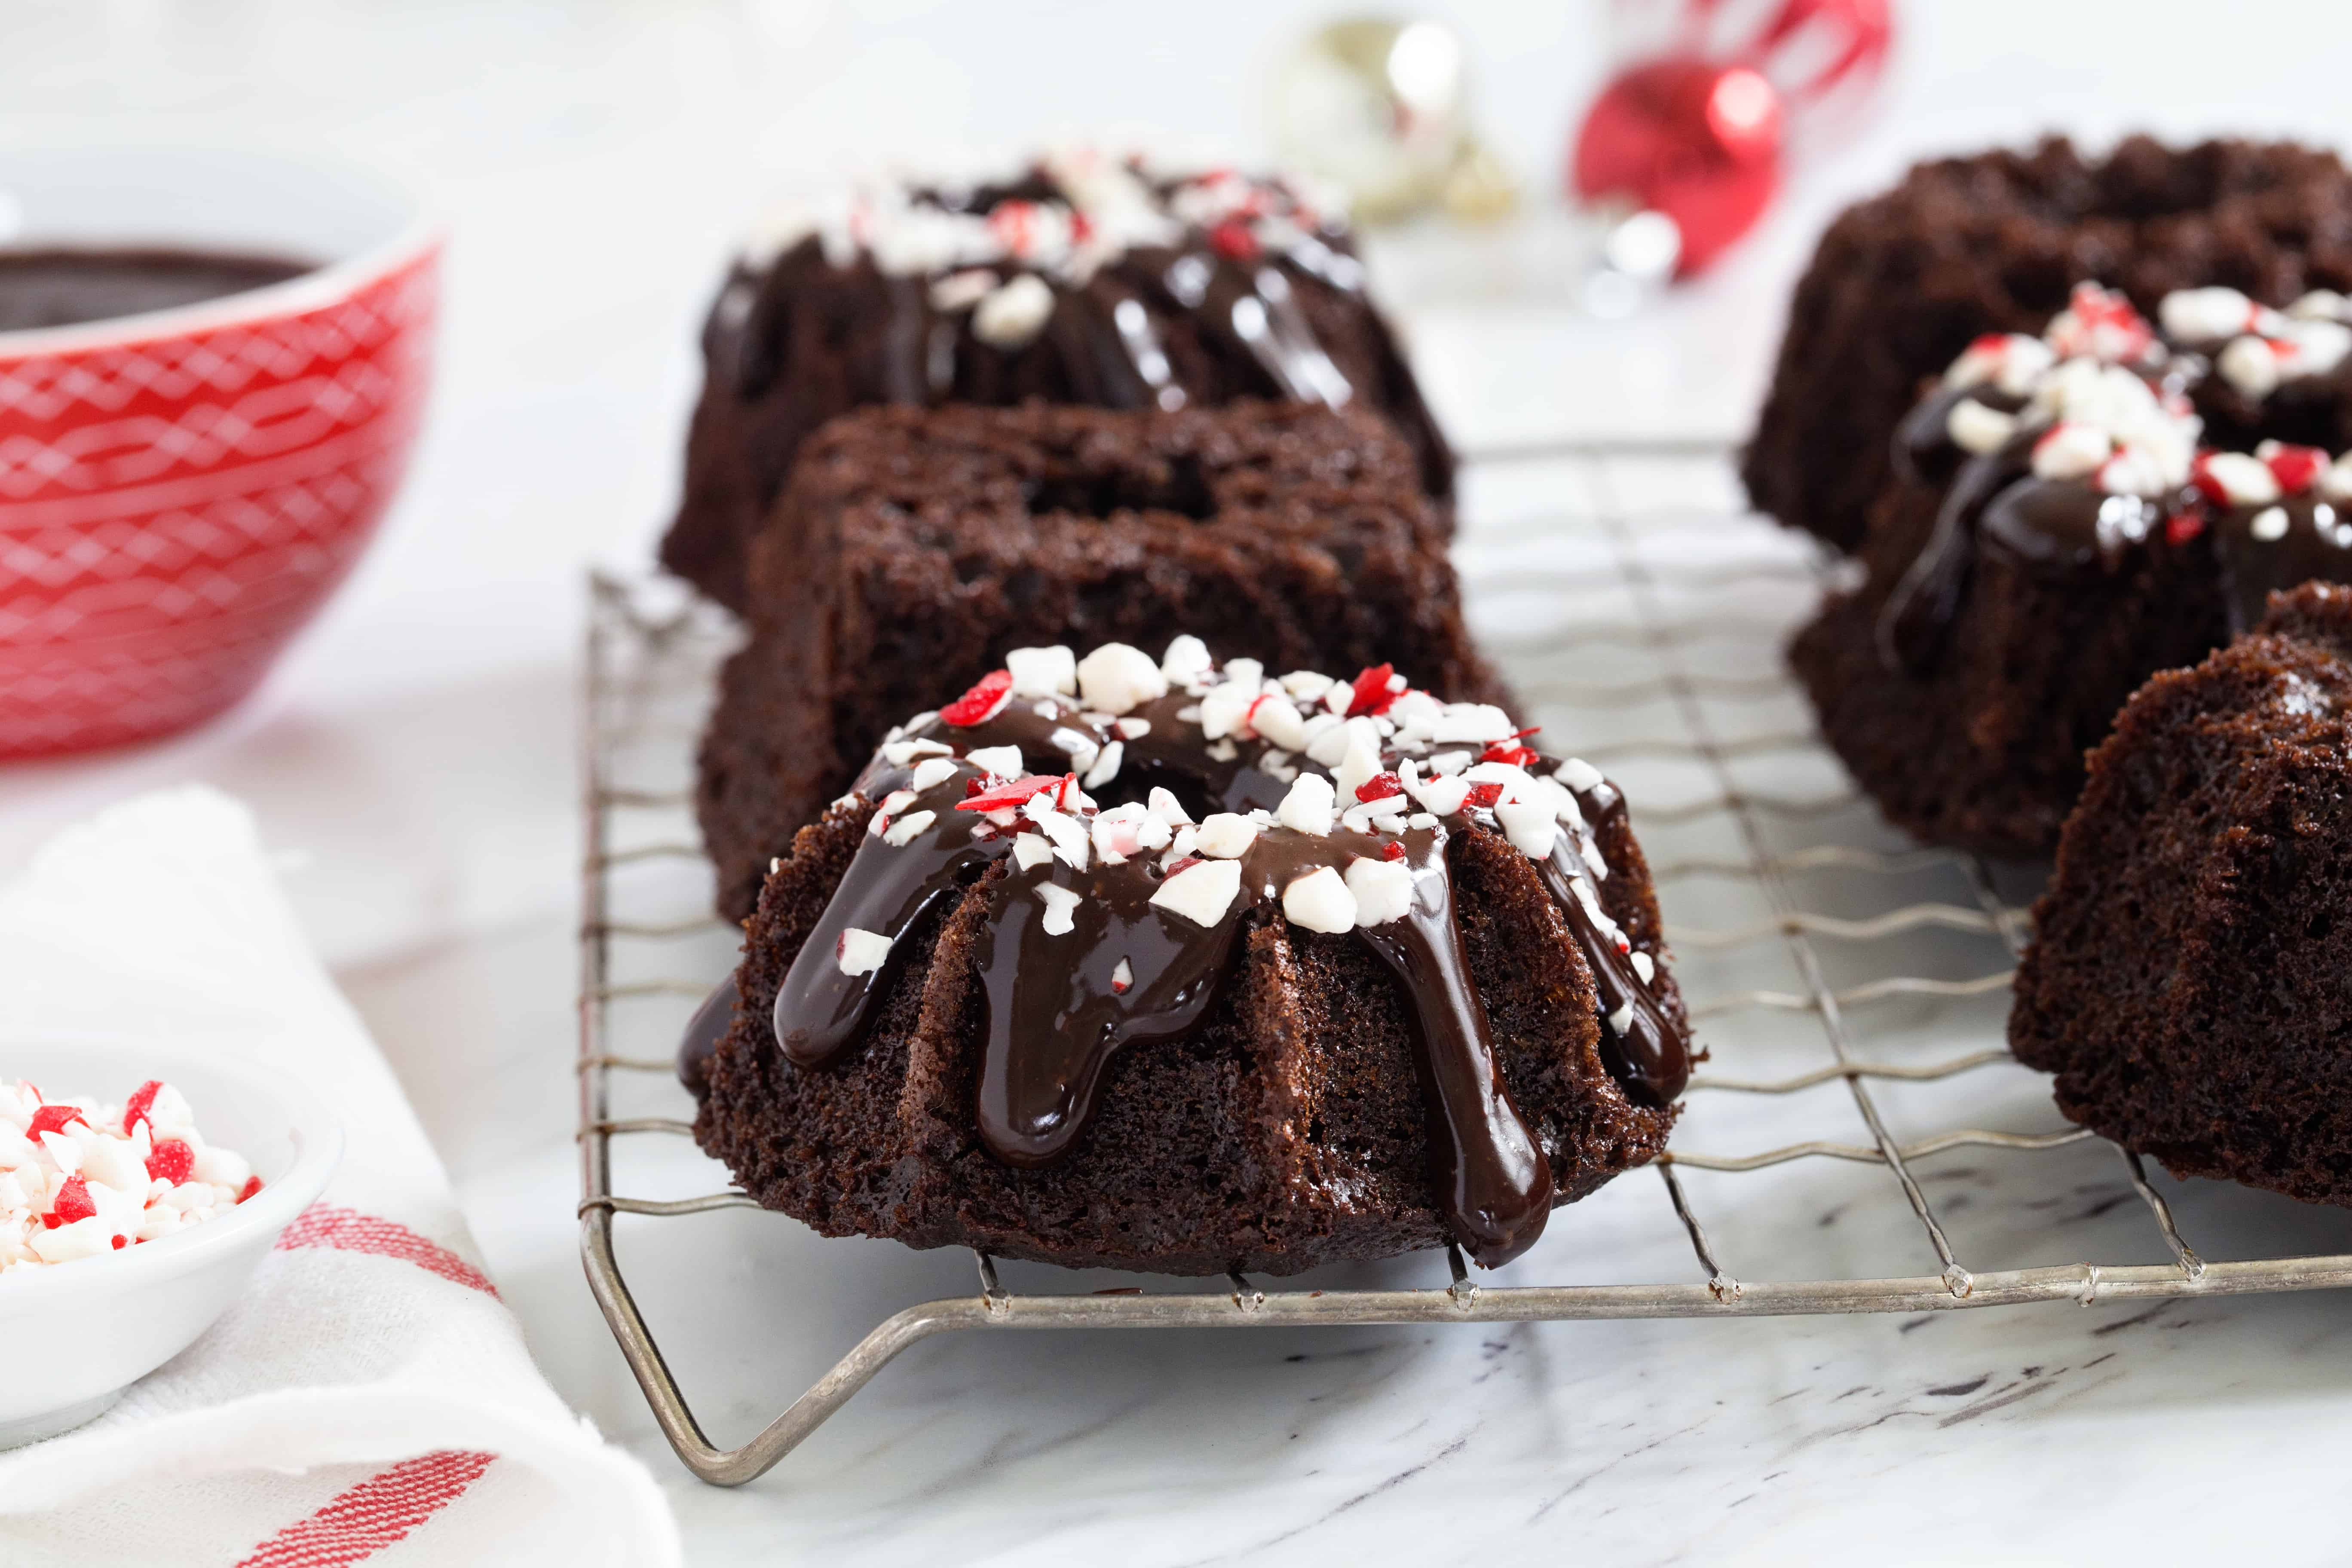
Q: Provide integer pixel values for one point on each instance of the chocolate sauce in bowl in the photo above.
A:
(63, 287)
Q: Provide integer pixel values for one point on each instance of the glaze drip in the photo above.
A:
(1110, 927)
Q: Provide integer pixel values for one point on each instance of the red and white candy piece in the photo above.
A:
(2102, 324)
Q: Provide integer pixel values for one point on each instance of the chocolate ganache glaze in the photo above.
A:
(2070, 453)
(1329, 803)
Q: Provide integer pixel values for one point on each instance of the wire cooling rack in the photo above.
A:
(1852, 989)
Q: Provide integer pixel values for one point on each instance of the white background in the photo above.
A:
(416, 753)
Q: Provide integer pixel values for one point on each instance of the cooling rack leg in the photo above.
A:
(734, 1467)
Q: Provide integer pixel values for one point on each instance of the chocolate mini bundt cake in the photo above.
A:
(1993, 242)
(1171, 965)
(1086, 279)
(2190, 977)
(2069, 514)
(914, 547)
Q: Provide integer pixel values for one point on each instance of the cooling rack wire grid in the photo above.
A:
(1852, 989)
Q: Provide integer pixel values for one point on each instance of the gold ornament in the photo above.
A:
(1380, 109)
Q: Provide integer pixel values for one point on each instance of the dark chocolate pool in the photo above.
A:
(58, 286)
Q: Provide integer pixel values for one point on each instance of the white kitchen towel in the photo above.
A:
(369, 1401)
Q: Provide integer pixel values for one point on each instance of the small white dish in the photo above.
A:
(84, 1332)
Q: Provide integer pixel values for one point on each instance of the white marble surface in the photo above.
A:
(414, 759)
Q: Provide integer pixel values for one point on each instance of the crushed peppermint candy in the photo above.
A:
(1100, 206)
(2101, 393)
(81, 1176)
(1364, 764)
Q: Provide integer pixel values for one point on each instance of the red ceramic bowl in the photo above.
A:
(181, 490)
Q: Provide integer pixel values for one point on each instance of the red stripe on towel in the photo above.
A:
(363, 1520)
(348, 1230)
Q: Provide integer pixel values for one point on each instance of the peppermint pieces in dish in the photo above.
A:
(81, 1176)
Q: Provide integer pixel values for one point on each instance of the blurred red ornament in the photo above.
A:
(1697, 133)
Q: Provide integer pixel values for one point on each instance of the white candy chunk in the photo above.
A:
(1043, 671)
(961, 291)
(1306, 685)
(15, 1149)
(2268, 525)
(1118, 834)
(906, 827)
(1515, 780)
(1014, 313)
(1644, 965)
(899, 753)
(1475, 721)
(931, 771)
(1166, 807)
(1203, 891)
(2318, 346)
(12, 1193)
(1382, 889)
(2250, 365)
(2335, 484)
(1225, 835)
(1133, 728)
(1328, 740)
(1532, 826)
(2133, 471)
(1307, 808)
(997, 762)
(1069, 839)
(1116, 679)
(113, 1162)
(1974, 427)
(221, 1167)
(1556, 798)
(1423, 820)
(1123, 977)
(1187, 839)
(1277, 719)
(1578, 774)
(1443, 796)
(2320, 305)
(1415, 716)
(1030, 851)
(1225, 711)
(82, 1238)
(2205, 315)
(1593, 860)
(1187, 658)
(1359, 763)
(1106, 766)
(2071, 451)
(1450, 761)
(189, 1196)
(1320, 901)
(1246, 672)
(1061, 906)
(861, 951)
(2011, 361)
(2245, 480)
(64, 1152)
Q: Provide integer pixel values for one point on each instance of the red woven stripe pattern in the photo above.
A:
(366, 1519)
(348, 1230)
